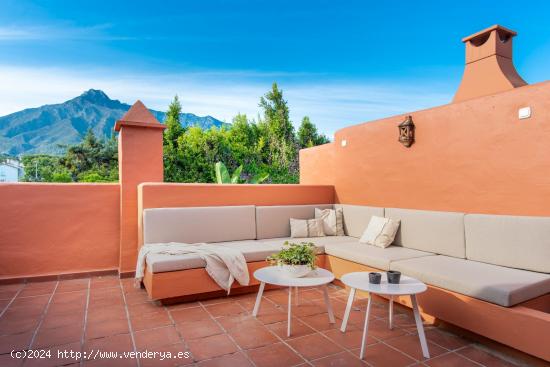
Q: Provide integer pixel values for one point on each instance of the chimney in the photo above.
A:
(489, 68)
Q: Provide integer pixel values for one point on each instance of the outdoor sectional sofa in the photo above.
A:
(486, 273)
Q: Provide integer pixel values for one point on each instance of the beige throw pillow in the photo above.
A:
(340, 222)
(315, 228)
(332, 221)
(301, 228)
(380, 232)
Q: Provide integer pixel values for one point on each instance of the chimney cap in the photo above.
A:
(505, 30)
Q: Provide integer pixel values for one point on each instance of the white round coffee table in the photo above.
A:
(407, 287)
(272, 275)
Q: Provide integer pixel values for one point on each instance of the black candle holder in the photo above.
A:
(375, 278)
(394, 276)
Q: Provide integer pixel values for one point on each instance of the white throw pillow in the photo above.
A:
(301, 228)
(332, 221)
(380, 232)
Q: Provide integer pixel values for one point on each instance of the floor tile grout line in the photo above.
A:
(84, 328)
(299, 318)
(409, 333)
(12, 300)
(130, 329)
(473, 345)
(283, 340)
(345, 349)
(174, 324)
(460, 355)
(290, 346)
(226, 332)
(381, 341)
(43, 316)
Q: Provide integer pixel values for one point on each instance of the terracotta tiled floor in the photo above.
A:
(108, 314)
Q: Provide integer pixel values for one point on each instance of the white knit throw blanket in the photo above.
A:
(224, 264)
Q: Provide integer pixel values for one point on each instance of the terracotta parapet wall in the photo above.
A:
(473, 156)
(58, 228)
(317, 165)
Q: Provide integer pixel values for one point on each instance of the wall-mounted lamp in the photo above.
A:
(406, 132)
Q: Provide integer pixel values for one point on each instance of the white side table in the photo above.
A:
(272, 275)
(407, 286)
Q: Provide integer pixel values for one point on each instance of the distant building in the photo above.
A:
(11, 170)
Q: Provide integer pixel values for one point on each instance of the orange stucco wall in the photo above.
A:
(58, 228)
(473, 156)
(140, 160)
(165, 195)
(317, 164)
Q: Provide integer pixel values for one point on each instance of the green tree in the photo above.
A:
(281, 149)
(308, 136)
(172, 162)
(93, 160)
(44, 168)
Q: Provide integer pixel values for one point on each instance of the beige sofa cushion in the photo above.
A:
(357, 217)
(199, 224)
(274, 221)
(319, 242)
(372, 256)
(437, 232)
(513, 241)
(491, 283)
(253, 250)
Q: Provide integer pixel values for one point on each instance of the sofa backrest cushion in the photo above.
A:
(199, 224)
(431, 231)
(357, 217)
(513, 241)
(274, 221)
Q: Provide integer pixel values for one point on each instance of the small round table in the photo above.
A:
(273, 275)
(407, 287)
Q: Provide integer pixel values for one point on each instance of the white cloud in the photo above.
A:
(331, 104)
(56, 32)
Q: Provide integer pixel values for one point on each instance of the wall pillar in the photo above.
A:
(140, 160)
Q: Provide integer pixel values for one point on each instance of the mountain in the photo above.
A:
(44, 129)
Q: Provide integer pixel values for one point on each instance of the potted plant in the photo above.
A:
(295, 260)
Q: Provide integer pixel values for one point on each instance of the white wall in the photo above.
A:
(9, 173)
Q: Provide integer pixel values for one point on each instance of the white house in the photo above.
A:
(11, 170)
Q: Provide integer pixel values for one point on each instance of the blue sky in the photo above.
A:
(340, 62)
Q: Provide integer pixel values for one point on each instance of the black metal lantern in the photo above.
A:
(406, 132)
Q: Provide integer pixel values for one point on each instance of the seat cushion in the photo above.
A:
(357, 217)
(199, 224)
(319, 242)
(437, 232)
(370, 255)
(491, 283)
(252, 251)
(513, 241)
(274, 221)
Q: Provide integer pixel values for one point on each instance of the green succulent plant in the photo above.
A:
(294, 254)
